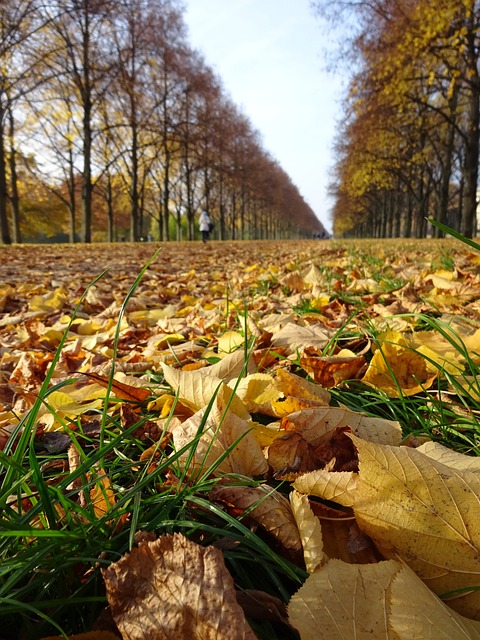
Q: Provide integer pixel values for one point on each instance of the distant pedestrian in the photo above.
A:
(205, 225)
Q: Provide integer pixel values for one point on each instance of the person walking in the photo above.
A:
(205, 225)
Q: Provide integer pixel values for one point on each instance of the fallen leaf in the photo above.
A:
(225, 441)
(310, 531)
(102, 495)
(290, 453)
(89, 635)
(230, 367)
(315, 422)
(449, 457)
(376, 601)
(330, 371)
(196, 390)
(120, 390)
(267, 507)
(418, 509)
(230, 341)
(174, 588)
(295, 337)
(397, 369)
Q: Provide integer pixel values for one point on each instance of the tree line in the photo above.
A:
(112, 127)
(407, 149)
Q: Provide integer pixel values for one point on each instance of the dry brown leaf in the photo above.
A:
(121, 390)
(342, 539)
(373, 602)
(89, 635)
(174, 588)
(412, 506)
(267, 507)
(291, 454)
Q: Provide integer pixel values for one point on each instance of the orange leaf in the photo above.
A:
(122, 391)
(330, 371)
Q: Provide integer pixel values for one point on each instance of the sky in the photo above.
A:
(270, 56)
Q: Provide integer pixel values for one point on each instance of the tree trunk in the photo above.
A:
(4, 230)
(15, 200)
(470, 172)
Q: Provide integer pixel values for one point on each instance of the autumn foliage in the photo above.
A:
(408, 147)
(251, 440)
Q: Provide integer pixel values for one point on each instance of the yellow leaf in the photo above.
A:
(102, 496)
(310, 531)
(230, 341)
(449, 457)
(151, 316)
(266, 434)
(88, 327)
(290, 384)
(290, 404)
(171, 338)
(397, 370)
(64, 407)
(472, 344)
(373, 602)
(256, 389)
(421, 510)
(195, 390)
(52, 301)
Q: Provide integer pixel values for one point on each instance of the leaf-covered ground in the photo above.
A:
(311, 407)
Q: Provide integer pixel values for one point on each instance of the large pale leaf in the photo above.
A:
(230, 366)
(196, 390)
(295, 337)
(449, 457)
(226, 438)
(412, 506)
(314, 423)
(383, 601)
(174, 588)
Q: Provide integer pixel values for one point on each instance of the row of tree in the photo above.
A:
(112, 127)
(408, 147)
